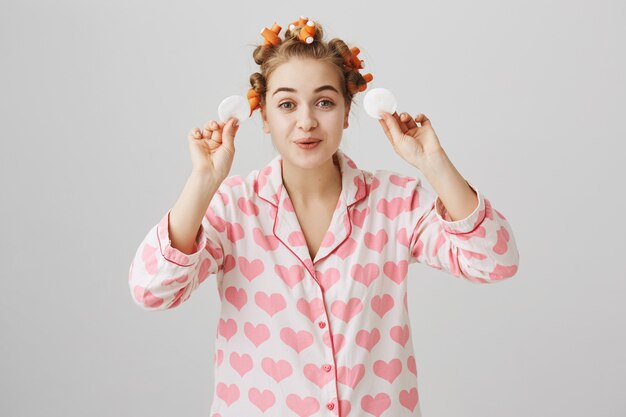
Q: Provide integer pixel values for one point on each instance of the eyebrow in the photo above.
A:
(317, 90)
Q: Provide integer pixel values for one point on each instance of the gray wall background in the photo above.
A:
(97, 98)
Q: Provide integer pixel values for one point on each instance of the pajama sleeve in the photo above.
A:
(480, 248)
(162, 277)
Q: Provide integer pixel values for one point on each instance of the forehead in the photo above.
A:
(303, 75)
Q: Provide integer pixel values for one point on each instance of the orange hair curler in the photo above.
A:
(301, 22)
(271, 35)
(254, 100)
(307, 32)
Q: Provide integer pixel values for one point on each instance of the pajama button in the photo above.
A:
(327, 367)
(330, 406)
(321, 324)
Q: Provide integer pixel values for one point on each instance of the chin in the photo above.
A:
(310, 159)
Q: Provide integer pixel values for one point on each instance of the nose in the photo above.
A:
(306, 118)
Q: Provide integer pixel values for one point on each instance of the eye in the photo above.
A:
(330, 103)
(280, 106)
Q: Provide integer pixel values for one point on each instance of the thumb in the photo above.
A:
(392, 125)
(230, 130)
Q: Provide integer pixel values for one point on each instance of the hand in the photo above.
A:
(213, 148)
(412, 142)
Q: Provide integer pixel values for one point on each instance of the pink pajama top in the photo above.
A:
(328, 336)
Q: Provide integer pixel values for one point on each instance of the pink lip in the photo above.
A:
(303, 140)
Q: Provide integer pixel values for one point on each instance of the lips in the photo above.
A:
(307, 140)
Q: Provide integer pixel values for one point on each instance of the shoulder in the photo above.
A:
(238, 185)
(389, 184)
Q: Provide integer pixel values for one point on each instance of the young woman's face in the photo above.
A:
(304, 101)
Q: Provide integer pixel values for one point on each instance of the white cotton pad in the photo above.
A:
(234, 106)
(378, 100)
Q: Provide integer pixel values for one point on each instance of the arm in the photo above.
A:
(180, 251)
(457, 230)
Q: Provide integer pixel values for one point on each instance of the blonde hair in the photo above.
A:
(269, 57)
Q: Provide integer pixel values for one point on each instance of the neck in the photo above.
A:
(306, 185)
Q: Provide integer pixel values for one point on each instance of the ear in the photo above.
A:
(346, 116)
(266, 127)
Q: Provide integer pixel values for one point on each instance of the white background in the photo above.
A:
(96, 99)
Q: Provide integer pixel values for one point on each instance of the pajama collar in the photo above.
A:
(269, 187)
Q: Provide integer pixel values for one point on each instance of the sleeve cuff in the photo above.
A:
(466, 225)
(172, 254)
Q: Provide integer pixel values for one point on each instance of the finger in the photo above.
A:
(386, 130)
(209, 127)
(423, 120)
(410, 123)
(216, 134)
(404, 119)
(400, 122)
(393, 126)
(194, 134)
(230, 130)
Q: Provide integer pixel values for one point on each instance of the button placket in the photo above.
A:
(324, 324)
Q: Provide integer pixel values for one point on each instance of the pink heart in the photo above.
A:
(358, 216)
(313, 309)
(247, 206)
(297, 341)
(335, 342)
(376, 242)
(271, 304)
(242, 364)
(296, 239)
(250, 270)
(227, 328)
(381, 305)
(229, 263)
(150, 262)
(402, 237)
(236, 297)
(276, 370)
(263, 400)
(365, 274)
(216, 221)
(219, 357)
(288, 205)
(234, 231)
(399, 181)
(367, 340)
(409, 398)
(351, 376)
(345, 311)
(203, 271)
(291, 276)
(317, 374)
(501, 272)
(396, 271)
(501, 245)
(267, 242)
(400, 334)
(376, 405)
(388, 371)
(346, 249)
(303, 407)
(411, 365)
(390, 208)
(256, 334)
(228, 393)
(328, 240)
(327, 278)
